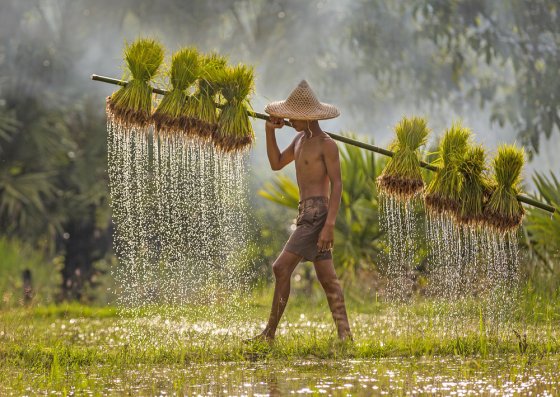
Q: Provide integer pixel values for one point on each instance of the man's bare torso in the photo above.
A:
(311, 171)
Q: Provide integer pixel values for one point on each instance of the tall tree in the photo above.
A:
(503, 55)
(52, 168)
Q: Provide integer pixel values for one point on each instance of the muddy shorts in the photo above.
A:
(310, 221)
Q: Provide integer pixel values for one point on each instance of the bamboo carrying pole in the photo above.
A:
(350, 141)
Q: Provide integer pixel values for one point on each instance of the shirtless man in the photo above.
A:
(320, 187)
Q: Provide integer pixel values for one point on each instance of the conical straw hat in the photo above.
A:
(302, 104)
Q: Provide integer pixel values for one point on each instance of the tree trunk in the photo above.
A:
(83, 245)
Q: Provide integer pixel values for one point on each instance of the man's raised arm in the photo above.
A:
(277, 160)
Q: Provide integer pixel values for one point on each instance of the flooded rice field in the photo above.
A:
(398, 350)
(507, 376)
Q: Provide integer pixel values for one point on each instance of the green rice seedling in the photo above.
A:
(443, 192)
(202, 108)
(170, 114)
(476, 187)
(504, 212)
(402, 177)
(131, 105)
(235, 131)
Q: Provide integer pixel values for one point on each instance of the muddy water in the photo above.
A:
(507, 376)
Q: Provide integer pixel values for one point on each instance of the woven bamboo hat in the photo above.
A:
(302, 104)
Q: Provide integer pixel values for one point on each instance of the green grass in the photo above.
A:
(475, 188)
(170, 115)
(143, 58)
(503, 211)
(68, 347)
(132, 104)
(402, 177)
(235, 130)
(205, 98)
(443, 191)
(16, 257)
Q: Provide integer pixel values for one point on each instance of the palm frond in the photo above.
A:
(542, 228)
(282, 190)
(8, 125)
(23, 196)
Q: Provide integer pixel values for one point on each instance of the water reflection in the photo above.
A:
(410, 376)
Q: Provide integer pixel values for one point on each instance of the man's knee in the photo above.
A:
(281, 269)
(285, 264)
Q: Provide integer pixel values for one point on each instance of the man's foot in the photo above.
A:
(262, 337)
(346, 338)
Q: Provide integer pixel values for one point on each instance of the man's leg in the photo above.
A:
(330, 283)
(283, 268)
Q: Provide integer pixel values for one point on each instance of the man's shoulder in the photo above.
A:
(328, 143)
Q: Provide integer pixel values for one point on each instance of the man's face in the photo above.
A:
(299, 125)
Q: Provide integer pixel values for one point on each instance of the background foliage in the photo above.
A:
(495, 63)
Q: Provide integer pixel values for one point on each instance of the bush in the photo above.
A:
(15, 257)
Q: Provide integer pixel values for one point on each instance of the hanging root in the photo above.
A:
(228, 144)
(504, 223)
(401, 188)
(182, 125)
(125, 116)
(440, 204)
(206, 131)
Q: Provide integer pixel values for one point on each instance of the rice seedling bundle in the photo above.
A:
(202, 107)
(235, 131)
(131, 105)
(475, 188)
(170, 115)
(504, 212)
(402, 177)
(443, 193)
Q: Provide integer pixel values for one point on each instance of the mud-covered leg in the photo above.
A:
(330, 283)
(283, 268)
